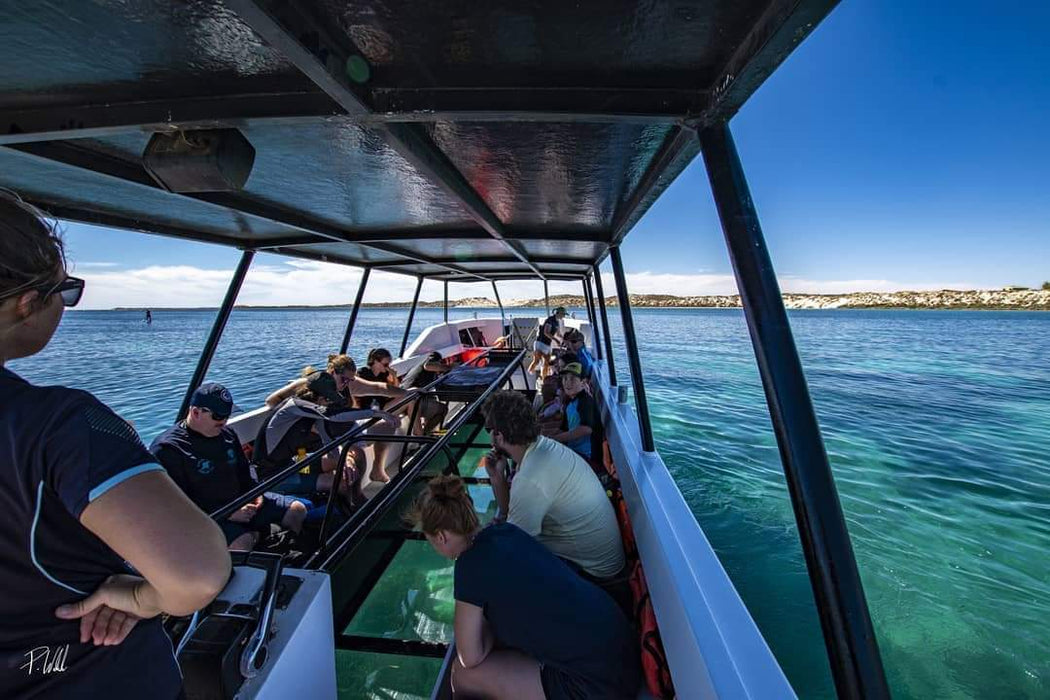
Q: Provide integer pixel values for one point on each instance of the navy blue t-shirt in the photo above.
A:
(211, 471)
(60, 449)
(535, 603)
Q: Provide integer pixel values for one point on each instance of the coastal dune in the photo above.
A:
(1021, 299)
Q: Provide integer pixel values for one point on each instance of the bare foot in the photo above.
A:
(379, 476)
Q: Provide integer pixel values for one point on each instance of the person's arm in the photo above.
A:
(285, 392)
(580, 431)
(106, 479)
(496, 469)
(364, 387)
(474, 639)
(179, 551)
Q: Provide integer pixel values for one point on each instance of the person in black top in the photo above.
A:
(548, 333)
(526, 625)
(205, 458)
(376, 369)
(96, 540)
(581, 426)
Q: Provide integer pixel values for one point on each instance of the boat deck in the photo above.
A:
(393, 593)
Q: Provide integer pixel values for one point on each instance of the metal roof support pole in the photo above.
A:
(204, 361)
(446, 301)
(848, 633)
(606, 333)
(633, 359)
(411, 315)
(591, 318)
(502, 315)
(546, 297)
(353, 312)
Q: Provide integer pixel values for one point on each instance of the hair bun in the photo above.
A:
(447, 486)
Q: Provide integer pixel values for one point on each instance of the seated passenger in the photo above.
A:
(204, 457)
(526, 626)
(377, 370)
(302, 425)
(575, 343)
(338, 383)
(431, 410)
(550, 413)
(555, 497)
(581, 425)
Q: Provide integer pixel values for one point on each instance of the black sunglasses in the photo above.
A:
(70, 288)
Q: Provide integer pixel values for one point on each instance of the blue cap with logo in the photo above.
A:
(214, 397)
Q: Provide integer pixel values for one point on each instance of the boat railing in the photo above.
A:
(365, 518)
(345, 440)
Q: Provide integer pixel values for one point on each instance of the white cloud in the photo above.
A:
(94, 264)
(313, 283)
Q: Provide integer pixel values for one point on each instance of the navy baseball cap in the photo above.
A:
(214, 397)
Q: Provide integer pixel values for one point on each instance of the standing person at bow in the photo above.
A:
(549, 333)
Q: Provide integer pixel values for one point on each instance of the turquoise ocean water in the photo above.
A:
(937, 425)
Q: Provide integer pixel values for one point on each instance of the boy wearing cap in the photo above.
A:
(549, 331)
(581, 425)
(204, 457)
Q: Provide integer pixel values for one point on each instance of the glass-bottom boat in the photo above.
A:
(457, 142)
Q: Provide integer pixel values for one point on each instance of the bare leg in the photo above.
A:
(537, 356)
(503, 674)
(245, 543)
(294, 517)
(379, 450)
(356, 463)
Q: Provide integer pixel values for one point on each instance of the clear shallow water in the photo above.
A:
(937, 425)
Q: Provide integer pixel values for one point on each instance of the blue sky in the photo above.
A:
(903, 145)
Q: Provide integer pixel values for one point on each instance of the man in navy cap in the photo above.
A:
(204, 457)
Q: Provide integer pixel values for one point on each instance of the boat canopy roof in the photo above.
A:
(460, 141)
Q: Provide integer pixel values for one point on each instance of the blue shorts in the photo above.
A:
(271, 512)
(298, 485)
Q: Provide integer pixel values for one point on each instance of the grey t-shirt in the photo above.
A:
(556, 498)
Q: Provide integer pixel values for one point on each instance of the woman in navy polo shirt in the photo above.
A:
(526, 625)
(83, 499)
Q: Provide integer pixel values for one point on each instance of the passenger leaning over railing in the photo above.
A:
(555, 496)
(205, 458)
(337, 384)
(96, 540)
(302, 425)
(526, 625)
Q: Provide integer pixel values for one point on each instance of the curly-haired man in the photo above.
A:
(556, 497)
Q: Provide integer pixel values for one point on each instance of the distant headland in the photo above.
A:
(1009, 298)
